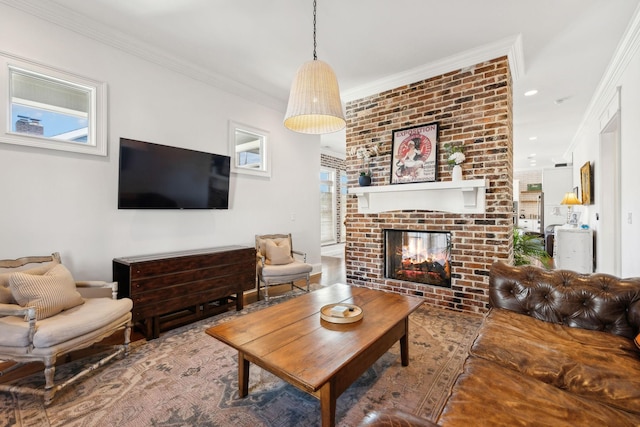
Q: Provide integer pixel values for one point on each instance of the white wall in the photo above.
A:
(624, 74)
(556, 182)
(66, 202)
(629, 173)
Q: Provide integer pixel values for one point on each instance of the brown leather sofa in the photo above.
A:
(555, 349)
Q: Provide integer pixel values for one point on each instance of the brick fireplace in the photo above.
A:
(418, 256)
(473, 107)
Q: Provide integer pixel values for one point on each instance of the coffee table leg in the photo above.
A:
(404, 344)
(243, 375)
(328, 404)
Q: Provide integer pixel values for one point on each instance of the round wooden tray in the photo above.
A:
(350, 316)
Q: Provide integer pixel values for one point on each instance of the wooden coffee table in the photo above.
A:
(321, 358)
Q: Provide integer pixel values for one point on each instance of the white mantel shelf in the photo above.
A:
(467, 196)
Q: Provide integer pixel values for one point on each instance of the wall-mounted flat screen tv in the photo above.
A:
(154, 176)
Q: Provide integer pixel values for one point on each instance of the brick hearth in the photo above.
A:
(472, 106)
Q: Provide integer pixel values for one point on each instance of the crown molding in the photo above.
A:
(80, 24)
(627, 48)
(510, 47)
(516, 58)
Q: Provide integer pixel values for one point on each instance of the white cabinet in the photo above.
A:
(573, 249)
(532, 225)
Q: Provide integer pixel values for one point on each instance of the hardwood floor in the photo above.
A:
(333, 270)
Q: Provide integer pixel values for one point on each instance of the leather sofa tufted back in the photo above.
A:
(595, 301)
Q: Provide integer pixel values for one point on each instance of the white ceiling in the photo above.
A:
(253, 47)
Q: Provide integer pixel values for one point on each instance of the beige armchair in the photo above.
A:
(44, 315)
(277, 264)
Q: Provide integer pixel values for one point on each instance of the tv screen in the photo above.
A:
(154, 176)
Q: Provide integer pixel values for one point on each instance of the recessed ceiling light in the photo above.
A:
(533, 138)
(531, 92)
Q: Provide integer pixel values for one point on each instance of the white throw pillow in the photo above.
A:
(50, 293)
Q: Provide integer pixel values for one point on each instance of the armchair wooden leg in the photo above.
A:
(117, 351)
(49, 374)
(127, 339)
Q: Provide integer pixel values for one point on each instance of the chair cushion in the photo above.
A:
(32, 268)
(94, 314)
(295, 267)
(278, 252)
(50, 293)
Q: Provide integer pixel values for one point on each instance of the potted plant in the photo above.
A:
(365, 154)
(455, 159)
(529, 249)
(364, 179)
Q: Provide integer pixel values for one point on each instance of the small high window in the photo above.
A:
(249, 150)
(53, 109)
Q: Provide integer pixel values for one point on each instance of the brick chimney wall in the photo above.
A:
(472, 106)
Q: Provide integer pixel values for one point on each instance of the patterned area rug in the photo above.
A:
(187, 378)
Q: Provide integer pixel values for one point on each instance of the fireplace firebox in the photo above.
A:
(418, 256)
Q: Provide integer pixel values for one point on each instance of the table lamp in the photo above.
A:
(570, 199)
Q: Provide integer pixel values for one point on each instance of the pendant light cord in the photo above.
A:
(315, 57)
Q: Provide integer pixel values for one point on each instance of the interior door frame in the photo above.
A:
(608, 240)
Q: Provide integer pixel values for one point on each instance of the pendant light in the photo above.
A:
(314, 101)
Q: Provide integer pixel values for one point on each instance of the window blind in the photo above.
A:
(42, 91)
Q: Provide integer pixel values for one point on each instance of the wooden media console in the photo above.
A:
(172, 289)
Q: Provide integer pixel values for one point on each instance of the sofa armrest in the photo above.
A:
(28, 313)
(16, 310)
(98, 284)
(394, 418)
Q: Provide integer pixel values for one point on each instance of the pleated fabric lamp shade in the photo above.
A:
(570, 198)
(314, 100)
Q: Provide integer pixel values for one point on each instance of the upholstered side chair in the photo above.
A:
(43, 315)
(278, 263)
